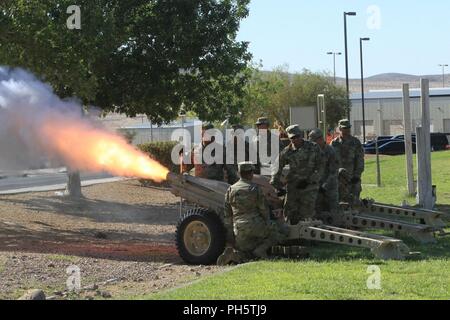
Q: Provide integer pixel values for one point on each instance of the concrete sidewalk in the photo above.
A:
(61, 186)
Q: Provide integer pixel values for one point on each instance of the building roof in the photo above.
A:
(397, 93)
(171, 125)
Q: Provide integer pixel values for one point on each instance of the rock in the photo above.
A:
(34, 294)
(57, 293)
(51, 265)
(111, 281)
(92, 287)
(89, 298)
(106, 294)
(198, 274)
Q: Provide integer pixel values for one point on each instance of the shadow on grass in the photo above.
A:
(322, 252)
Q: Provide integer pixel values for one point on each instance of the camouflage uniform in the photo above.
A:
(212, 171)
(350, 157)
(328, 197)
(257, 143)
(232, 146)
(246, 217)
(302, 180)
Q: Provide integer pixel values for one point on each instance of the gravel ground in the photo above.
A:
(121, 236)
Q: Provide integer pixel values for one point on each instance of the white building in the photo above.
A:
(148, 132)
(384, 111)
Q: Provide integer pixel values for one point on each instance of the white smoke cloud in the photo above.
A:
(25, 102)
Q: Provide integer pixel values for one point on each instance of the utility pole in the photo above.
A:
(334, 63)
(423, 146)
(408, 139)
(362, 88)
(346, 60)
(443, 74)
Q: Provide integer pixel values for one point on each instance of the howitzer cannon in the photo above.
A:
(200, 235)
(420, 224)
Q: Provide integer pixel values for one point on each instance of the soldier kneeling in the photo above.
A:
(246, 219)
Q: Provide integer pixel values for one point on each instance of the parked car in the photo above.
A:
(393, 145)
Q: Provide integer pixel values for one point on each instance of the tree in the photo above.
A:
(140, 56)
(271, 94)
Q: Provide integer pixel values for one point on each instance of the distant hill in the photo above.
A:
(393, 81)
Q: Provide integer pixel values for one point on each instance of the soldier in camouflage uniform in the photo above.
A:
(246, 219)
(262, 123)
(350, 156)
(303, 158)
(234, 143)
(214, 171)
(328, 197)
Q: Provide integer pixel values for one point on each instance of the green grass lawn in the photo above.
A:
(393, 178)
(338, 272)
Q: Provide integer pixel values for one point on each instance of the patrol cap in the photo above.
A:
(344, 124)
(207, 126)
(245, 166)
(294, 130)
(262, 120)
(315, 134)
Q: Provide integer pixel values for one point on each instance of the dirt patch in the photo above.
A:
(120, 231)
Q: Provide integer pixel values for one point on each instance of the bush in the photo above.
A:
(161, 152)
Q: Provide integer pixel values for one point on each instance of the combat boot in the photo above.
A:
(229, 255)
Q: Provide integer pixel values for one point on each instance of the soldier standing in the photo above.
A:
(303, 158)
(262, 124)
(213, 171)
(246, 219)
(350, 156)
(235, 145)
(328, 198)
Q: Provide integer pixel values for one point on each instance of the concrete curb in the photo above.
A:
(61, 186)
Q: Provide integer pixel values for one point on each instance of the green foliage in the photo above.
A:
(271, 94)
(161, 152)
(143, 56)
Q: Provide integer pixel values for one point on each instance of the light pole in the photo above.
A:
(346, 60)
(362, 87)
(443, 74)
(334, 63)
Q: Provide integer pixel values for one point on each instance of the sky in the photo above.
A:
(410, 37)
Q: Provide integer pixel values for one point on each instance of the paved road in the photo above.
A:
(40, 179)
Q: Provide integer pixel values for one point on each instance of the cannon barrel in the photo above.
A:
(205, 193)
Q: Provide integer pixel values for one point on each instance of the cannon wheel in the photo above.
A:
(200, 236)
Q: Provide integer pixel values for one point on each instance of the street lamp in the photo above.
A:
(443, 74)
(346, 60)
(334, 63)
(362, 87)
